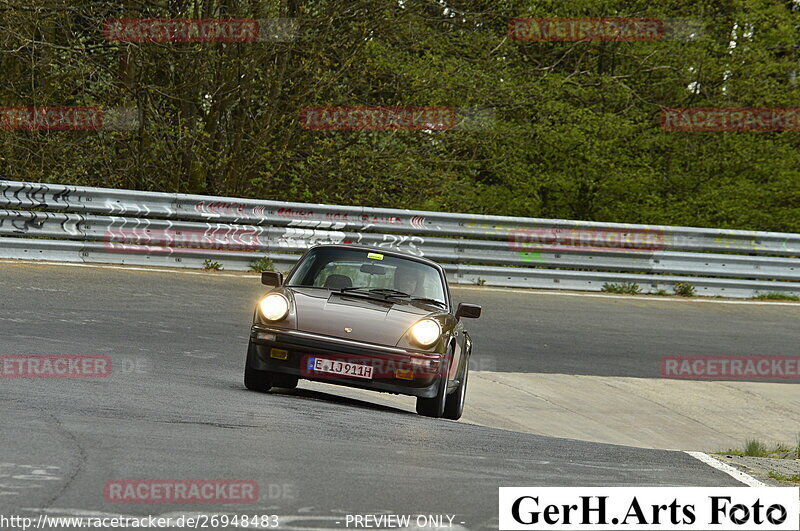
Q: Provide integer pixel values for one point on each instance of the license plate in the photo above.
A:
(342, 368)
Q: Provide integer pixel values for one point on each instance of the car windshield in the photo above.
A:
(369, 271)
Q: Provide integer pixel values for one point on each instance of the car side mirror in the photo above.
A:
(469, 311)
(271, 278)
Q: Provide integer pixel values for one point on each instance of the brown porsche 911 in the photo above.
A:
(363, 317)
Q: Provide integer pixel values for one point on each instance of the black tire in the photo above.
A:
(434, 407)
(454, 406)
(284, 381)
(254, 379)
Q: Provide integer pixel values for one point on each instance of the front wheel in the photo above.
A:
(434, 407)
(284, 381)
(454, 406)
(254, 379)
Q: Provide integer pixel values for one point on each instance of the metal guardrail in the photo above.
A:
(83, 224)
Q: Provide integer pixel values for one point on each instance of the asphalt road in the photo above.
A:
(606, 336)
(175, 407)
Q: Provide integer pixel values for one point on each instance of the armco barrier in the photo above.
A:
(82, 224)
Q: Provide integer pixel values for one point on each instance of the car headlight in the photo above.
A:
(274, 307)
(426, 332)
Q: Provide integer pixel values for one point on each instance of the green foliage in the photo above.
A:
(774, 296)
(575, 133)
(210, 265)
(262, 264)
(629, 288)
(755, 448)
(788, 479)
(682, 289)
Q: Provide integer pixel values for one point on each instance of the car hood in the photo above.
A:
(370, 319)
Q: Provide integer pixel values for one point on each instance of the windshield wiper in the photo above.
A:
(383, 292)
(429, 301)
(389, 292)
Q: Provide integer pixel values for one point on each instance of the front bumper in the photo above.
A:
(395, 370)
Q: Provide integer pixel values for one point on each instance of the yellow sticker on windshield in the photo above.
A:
(375, 256)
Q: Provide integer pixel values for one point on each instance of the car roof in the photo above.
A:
(381, 250)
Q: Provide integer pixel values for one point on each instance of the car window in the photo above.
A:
(352, 271)
(343, 268)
